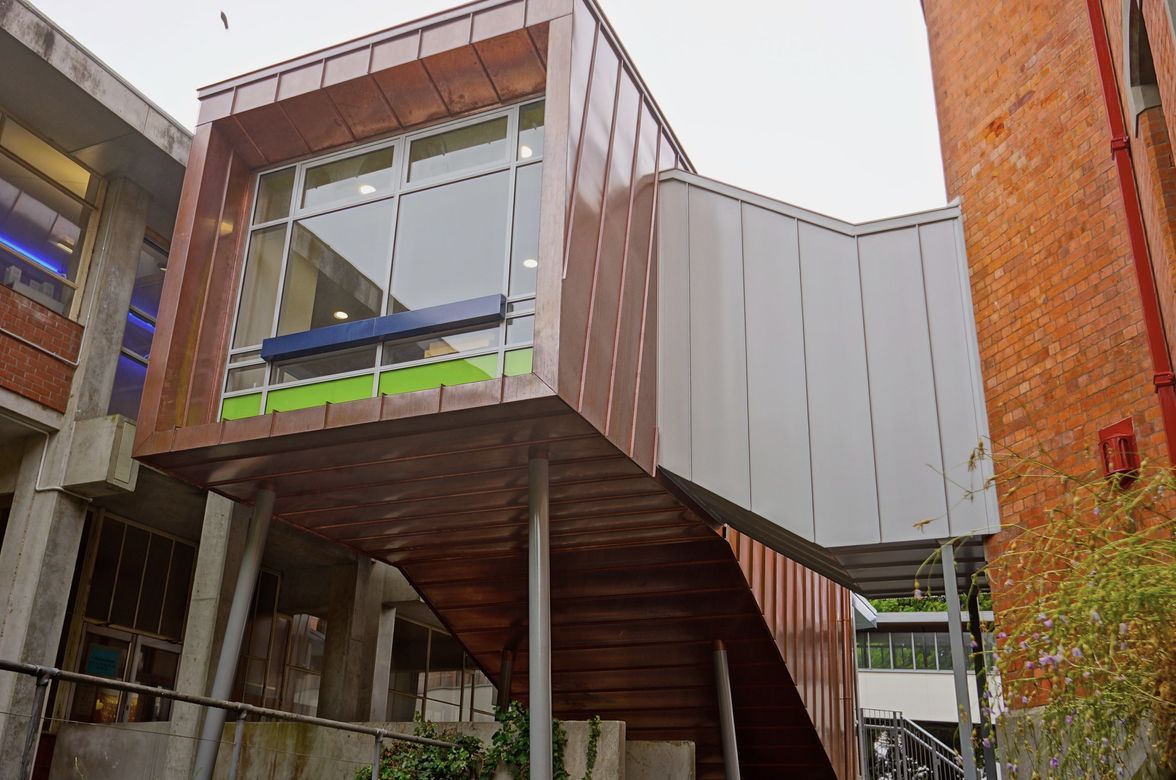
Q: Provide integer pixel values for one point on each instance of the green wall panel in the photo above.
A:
(241, 406)
(334, 391)
(450, 372)
(518, 362)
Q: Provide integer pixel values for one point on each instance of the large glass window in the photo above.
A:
(47, 201)
(435, 217)
(431, 675)
(903, 650)
(131, 370)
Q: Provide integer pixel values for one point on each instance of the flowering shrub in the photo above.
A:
(1086, 621)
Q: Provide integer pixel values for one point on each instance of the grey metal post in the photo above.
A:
(539, 617)
(226, 667)
(980, 666)
(959, 663)
(863, 740)
(376, 751)
(726, 713)
(238, 741)
(29, 752)
(505, 678)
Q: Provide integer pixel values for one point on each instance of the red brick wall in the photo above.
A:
(1026, 147)
(35, 360)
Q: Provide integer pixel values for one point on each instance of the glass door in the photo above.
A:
(122, 655)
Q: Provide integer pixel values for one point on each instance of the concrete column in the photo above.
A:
(353, 627)
(382, 664)
(222, 540)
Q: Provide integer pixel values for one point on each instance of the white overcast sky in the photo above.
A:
(826, 104)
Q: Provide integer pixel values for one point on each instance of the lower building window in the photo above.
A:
(432, 676)
(138, 332)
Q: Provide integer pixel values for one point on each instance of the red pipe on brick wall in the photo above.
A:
(1164, 379)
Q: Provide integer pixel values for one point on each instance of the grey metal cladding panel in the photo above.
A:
(961, 409)
(907, 452)
(777, 393)
(673, 316)
(845, 498)
(718, 350)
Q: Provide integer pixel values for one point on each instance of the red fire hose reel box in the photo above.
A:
(1120, 456)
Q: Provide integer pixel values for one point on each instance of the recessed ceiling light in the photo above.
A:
(525, 152)
(340, 315)
(366, 189)
(530, 262)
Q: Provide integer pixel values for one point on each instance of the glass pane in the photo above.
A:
(102, 656)
(137, 334)
(363, 176)
(245, 378)
(466, 341)
(245, 357)
(530, 131)
(521, 307)
(41, 232)
(925, 651)
(154, 579)
(456, 150)
(259, 290)
(863, 656)
(175, 603)
(53, 164)
(302, 692)
(879, 651)
(903, 651)
(105, 567)
(149, 280)
(129, 375)
(129, 577)
(524, 251)
(273, 196)
(328, 364)
(157, 668)
(482, 695)
(338, 264)
(943, 651)
(451, 243)
(520, 330)
(401, 708)
(410, 647)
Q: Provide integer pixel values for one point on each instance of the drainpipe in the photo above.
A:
(1153, 321)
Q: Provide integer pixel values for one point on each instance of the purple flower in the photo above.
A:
(1122, 629)
(1076, 652)
(1053, 762)
(1069, 680)
(1069, 719)
(1097, 618)
(1049, 624)
(1028, 664)
(1086, 675)
(1041, 616)
(1024, 699)
(1002, 635)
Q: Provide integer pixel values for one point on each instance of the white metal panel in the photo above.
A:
(777, 391)
(845, 499)
(960, 405)
(673, 335)
(907, 454)
(718, 350)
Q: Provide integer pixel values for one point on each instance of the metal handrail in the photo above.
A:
(912, 752)
(44, 674)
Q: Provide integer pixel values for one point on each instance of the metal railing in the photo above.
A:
(900, 749)
(44, 675)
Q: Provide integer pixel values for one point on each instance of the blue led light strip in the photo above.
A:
(143, 321)
(15, 247)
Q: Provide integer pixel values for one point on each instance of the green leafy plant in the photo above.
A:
(593, 746)
(1086, 620)
(925, 604)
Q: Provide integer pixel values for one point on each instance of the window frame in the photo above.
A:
(402, 145)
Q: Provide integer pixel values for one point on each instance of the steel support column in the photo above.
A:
(226, 668)
(505, 678)
(979, 665)
(726, 714)
(539, 617)
(959, 661)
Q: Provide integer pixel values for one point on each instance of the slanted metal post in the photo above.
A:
(726, 713)
(980, 666)
(959, 662)
(863, 742)
(226, 668)
(539, 617)
(29, 752)
(505, 678)
(238, 741)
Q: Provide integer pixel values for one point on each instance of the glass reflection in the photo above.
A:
(363, 176)
(325, 365)
(337, 264)
(129, 375)
(520, 330)
(451, 344)
(465, 147)
(524, 253)
(273, 196)
(259, 290)
(530, 131)
(450, 243)
(149, 280)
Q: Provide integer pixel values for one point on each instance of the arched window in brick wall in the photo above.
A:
(1140, 70)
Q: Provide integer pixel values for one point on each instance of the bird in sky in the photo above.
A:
(224, 20)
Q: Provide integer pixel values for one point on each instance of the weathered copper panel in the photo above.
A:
(411, 93)
(363, 107)
(584, 39)
(599, 347)
(271, 131)
(317, 120)
(512, 64)
(461, 80)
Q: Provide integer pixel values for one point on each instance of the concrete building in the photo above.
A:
(543, 414)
